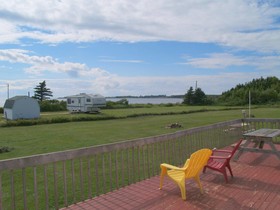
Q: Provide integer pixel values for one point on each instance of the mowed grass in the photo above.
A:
(38, 139)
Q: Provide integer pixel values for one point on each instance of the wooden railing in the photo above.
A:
(55, 180)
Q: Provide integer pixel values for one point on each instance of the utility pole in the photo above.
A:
(249, 104)
(8, 91)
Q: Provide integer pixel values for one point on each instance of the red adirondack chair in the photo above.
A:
(220, 163)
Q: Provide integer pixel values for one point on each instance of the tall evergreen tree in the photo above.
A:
(199, 97)
(188, 98)
(41, 92)
(196, 97)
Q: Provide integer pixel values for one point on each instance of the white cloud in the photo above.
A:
(217, 61)
(224, 60)
(237, 23)
(40, 64)
(121, 61)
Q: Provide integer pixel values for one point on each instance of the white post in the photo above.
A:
(8, 91)
(249, 104)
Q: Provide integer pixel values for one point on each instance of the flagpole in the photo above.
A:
(249, 104)
(8, 91)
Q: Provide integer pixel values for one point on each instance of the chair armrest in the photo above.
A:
(219, 157)
(222, 150)
(168, 166)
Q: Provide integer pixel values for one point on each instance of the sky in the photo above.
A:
(144, 47)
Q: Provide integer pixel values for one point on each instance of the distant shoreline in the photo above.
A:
(147, 100)
(148, 96)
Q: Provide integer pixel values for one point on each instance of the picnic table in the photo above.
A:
(258, 138)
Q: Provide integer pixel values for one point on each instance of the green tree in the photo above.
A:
(196, 97)
(199, 97)
(41, 92)
(188, 98)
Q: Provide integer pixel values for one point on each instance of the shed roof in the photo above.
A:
(9, 103)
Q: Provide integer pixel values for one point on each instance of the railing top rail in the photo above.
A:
(272, 120)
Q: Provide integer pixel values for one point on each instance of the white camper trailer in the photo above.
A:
(85, 102)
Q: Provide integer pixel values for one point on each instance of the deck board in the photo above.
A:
(256, 185)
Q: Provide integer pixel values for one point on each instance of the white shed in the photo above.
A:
(85, 102)
(21, 107)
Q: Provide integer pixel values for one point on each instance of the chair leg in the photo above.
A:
(197, 179)
(225, 175)
(229, 168)
(204, 169)
(182, 187)
(162, 174)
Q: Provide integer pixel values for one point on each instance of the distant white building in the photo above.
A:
(85, 102)
(21, 107)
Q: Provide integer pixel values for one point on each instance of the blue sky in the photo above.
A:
(144, 47)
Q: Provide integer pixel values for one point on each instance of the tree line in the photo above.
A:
(262, 91)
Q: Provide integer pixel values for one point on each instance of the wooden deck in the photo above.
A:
(256, 185)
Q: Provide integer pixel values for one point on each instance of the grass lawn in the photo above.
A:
(30, 140)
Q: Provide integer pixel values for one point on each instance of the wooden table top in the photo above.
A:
(264, 132)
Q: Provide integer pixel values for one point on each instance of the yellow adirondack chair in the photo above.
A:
(191, 169)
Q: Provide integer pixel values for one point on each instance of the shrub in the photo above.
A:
(5, 149)
(52, 106)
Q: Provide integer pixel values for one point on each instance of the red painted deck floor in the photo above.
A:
(256, 185)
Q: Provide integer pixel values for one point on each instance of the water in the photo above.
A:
(149, 100)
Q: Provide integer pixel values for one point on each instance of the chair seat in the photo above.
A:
(176, 175)
(215, 164)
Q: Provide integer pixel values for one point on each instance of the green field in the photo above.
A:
(37, 139)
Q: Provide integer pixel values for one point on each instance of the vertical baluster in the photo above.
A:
(55, 186)
(110, 171)
(162, 152)
(166, 155)
(174, 153)
(13, 197)
(143, 162)
(103, 173)
(154, 162)
(122, 167)
(1, 194)
(133, 165)
(138, 163)
(128, 165)
(46, 187)
(81, 179)
(179, 148)
(148, 161)
(89, 179)
(116, 168)
(24, 188)
(64, 183)
(35, 188)
(73, 180)
(96, 175)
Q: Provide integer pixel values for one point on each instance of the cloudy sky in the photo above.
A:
(124, 47)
